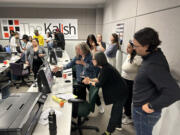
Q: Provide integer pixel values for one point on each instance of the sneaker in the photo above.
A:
(119, 128)
(101, 109)
(127, 121)
(35, 84)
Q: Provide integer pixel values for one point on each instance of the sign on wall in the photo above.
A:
(120, 31)
(27, 26)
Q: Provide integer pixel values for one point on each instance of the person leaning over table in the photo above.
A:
(114, 90)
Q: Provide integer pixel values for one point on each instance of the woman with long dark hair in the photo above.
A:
(114, 89)
(92, 43)
(129, 70)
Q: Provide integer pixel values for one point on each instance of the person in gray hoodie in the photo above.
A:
(35, 56)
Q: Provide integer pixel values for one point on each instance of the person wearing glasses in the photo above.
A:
(129, 70)
(154, 87)
(114, 89)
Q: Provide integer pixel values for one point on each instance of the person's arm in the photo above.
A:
(47, 40)
(166, 86)
(27, 55)
(70, 64)
(110, 50)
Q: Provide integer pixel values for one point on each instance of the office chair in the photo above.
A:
(18, 70)
(81, 109)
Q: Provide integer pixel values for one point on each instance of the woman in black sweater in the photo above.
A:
(113, 87)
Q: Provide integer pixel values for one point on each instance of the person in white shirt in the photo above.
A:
(129, 70)
(12, 43)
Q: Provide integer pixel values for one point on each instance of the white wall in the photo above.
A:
(89, 20)
(163, 16)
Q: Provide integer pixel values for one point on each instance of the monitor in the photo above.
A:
(4, 56)
(53, 57)
(45, 79)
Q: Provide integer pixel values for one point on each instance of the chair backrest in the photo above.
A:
(93, 92)
(16, 68)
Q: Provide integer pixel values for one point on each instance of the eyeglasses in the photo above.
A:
(132, 44)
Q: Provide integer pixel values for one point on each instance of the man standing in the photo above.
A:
(154, 87)
(59, 37)
(39, 37)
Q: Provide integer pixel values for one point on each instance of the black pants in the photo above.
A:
(116, 116)
(127, 105)
(36, 65)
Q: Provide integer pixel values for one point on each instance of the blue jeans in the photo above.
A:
(143, 121)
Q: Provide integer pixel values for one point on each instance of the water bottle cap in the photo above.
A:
(51, 112)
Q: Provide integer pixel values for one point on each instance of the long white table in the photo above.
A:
(64, 120)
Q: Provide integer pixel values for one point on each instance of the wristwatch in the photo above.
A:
(150, 106)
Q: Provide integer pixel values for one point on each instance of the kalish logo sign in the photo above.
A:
(66, 29)
(27, 26)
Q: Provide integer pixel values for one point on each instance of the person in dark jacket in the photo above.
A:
(154, 86)
(59, 37)
(114, 89)
(102, 45)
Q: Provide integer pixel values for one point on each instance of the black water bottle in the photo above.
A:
(52, 123)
